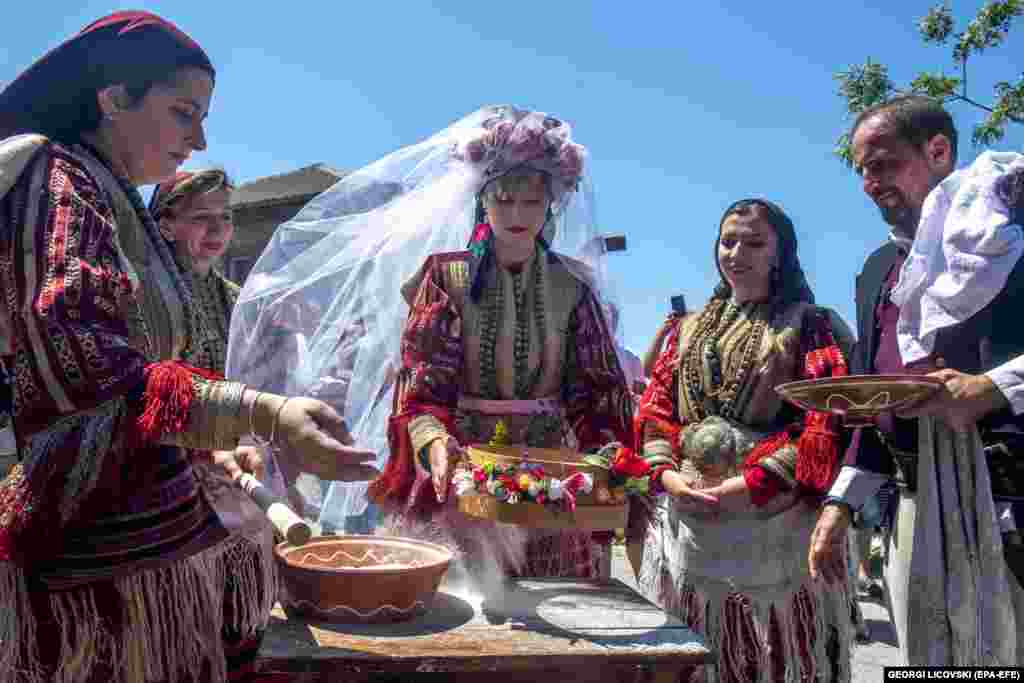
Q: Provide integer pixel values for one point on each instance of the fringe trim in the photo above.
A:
(248, 563)
(167, 630)
(741, 633)
(19, 653)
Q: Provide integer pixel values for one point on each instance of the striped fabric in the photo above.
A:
(83, 504)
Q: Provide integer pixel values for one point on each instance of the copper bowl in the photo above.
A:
(859, 399)
(361, 579)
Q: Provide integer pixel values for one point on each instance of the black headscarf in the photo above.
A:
(789, 284)
(52, 96)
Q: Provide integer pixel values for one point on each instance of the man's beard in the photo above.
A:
(902, 218)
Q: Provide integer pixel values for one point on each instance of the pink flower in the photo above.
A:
(500, 133)
(475, 151)
(527, 140)
(570, 161)
(481, 232)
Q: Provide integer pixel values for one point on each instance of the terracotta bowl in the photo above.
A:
(859, 399)
(361, 579)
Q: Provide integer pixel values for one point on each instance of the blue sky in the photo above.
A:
(684, 107)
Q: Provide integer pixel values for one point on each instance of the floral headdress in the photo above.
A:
(514, 139)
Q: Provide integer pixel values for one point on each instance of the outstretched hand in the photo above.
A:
(690, 499)
(444, 453)
(319, 439)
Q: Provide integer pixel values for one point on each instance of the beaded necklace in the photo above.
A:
(490, 324)
(216, 310)
(708, 390)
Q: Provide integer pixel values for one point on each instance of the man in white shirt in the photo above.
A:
(940, 297)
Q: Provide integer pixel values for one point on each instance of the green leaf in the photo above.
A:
(843, 151)
(638, 486)
(935, 85)
(864, 86)
(990, 27)
(937, 25)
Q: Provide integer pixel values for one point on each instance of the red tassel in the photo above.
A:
(570, 487)
(817, 454)
(167, 399)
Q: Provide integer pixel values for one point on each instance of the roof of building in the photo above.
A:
(300, 184)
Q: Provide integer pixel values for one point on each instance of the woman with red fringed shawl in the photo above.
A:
(112, 562)
(507, 331)
(726, 546)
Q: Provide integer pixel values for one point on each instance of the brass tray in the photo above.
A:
(859, 399)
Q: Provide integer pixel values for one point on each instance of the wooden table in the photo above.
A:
(535, 630)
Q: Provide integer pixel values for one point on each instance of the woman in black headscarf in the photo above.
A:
(110, 558)
(724, 549)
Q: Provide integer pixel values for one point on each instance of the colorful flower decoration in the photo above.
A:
(513, 138)
(522, 483)
(628, 472)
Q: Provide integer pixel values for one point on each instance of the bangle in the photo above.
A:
(277, 418)
(260, 441)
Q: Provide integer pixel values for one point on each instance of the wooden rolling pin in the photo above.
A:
(294, 529)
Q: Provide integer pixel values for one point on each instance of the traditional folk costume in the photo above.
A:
(468, 365)
(249, 554)
(950, 298)
(112, 565)
(741, 578)
(479, 344)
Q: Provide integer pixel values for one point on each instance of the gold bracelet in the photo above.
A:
(252, 421)
(277, 418)
(229, 429)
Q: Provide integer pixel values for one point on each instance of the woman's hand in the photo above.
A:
(315, 435)
(733, 495)
(244, 459)
(690, 499)
(444, 455)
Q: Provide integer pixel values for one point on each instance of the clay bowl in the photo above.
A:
(859, 399)
(361, 579)
(589, 515)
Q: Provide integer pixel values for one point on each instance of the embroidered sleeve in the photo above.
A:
(657, 421)
(69, 295)
(424, 430)
(427, 383)
(83, 393)
(599, 405)
(807, 454)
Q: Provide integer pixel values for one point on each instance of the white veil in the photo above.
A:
(322, 312)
